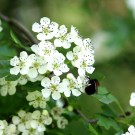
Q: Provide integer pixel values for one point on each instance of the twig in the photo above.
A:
(93, 121)
(19, 26)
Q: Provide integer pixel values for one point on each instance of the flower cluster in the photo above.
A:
(47, 59)
(1, 26)
(33, 123)
(36, 99)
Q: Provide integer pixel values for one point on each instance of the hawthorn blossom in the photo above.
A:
(63, 39)
(56, 112)
(36, 99)
(38, 66)
(62, 122)
(7, 87)
(20, 64)
(57, 66)
(75, 56)
(71, 84)
(51, 87)
(46, 29)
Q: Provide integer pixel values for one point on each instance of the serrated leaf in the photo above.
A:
(107, 123)
(102, 90)
(12, 77)
(92, 130)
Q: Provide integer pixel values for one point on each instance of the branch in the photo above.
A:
(19, 26)
(93, 121)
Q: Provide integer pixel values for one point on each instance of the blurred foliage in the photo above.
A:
(111, 26)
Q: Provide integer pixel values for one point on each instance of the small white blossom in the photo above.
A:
(71, 84)
(7, 87)
(56, 112)
(44, 48)
(75, 56)
(46, 29)
(20, 65)
(36, 99)
(51, 87)
(132, 99)
(63, 39)
(57, 66)
(38, 66)
(62, 122)
(131, 131)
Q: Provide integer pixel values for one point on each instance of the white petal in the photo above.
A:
(3, 90)
(14, 61)
(57, 43)
(46, 93)
(36, 27)
(55, 80)
(81, 71)
(67, 92)
(46, 82)
(69, 55)
(24, 70)
(64, 68)
(57, 72)
(45, 21)
(76, 92)
(12, 90)
(32, 73)
(42, 69)
(15, 70)
(35, 48)
(132, 102)
(56, 95)
(90, 70)
(23, 56)
(41, 36)
(66, 45)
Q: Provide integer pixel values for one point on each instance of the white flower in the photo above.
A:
(38, 66)
(62, 122)
(56, 112)
(44, 48)
(132, 99)
(75, 56)
(71, 84)
(7, 87)
(1, 26)
(63, 39)
(75, 36)
(46, 29)
(21, 64)
(57, 66)
(36, 99)
(51, 87)
(131, 131)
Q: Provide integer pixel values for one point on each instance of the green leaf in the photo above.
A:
(12, 77)
(92, 130)
(107, 122)
(18, 42)
(4, 72)
(4, 63)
